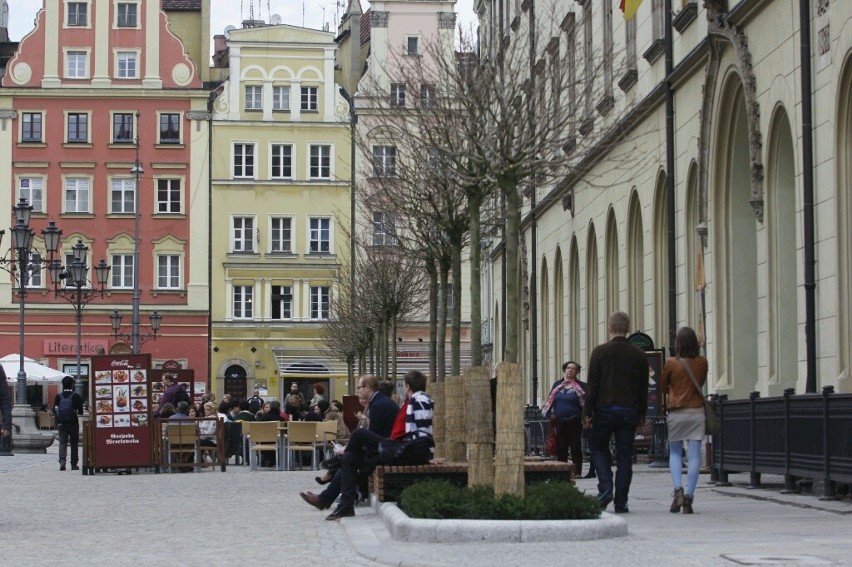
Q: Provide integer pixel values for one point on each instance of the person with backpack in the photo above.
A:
(67, 406)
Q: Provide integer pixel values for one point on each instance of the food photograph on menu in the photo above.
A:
(120, 376)
(103, 377)
(102, 392)
(139, 376)
(122, 400)
(138, 419)
(104, 421)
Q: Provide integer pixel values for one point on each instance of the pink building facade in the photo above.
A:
(93, 83)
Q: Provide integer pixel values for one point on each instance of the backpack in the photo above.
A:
(65, 411)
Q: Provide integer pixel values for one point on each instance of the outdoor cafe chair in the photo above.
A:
(327, 431)
(180, 442)
(263, 437)
(301, 437)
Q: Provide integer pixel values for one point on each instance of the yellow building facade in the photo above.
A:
(279, 211)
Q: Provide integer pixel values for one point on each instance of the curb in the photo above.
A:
(403, 528)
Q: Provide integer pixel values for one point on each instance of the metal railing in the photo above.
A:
(800, 437)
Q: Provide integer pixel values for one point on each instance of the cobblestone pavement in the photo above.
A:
(214, 518)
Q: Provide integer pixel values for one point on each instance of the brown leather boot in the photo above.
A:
(687, 503)
(677, 501)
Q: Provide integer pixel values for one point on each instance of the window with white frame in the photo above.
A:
(126, 15)
(168, 271)
(320, 161)
(630, 41)
(69, 261)
(310, 99)
(77, 191)
(34, 274)
(77, 14)
(450, 300)
(397, 94)
(122, 128)
(169, 128)
(123, 195)
(657, 19)
(571, 74)
(428, 95)
(126, 64)
(412, 45)
(76, 65)
(122, 271)
(282, 302)
(281, 161)
(384, 229)
(319, 235)
(281, 235)
(281, 98)
(254, 97)
(242, 234)
(32, 189)
(243, 299)
(320, 302)
(32, 124)
(243, 160)
(77, 128)
(384, 161)
(169, 196)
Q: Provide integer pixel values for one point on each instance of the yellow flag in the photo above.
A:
(699, 270)
(629, 8)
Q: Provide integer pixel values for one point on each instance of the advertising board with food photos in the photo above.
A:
(120, 410)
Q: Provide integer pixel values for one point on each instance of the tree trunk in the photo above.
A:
(393, 349)
(509, 459)
(455, 333)
(454, 418)
(442, 320)
(436, 392)
(512, 307)
(431, 269)
(475, 204)
(480, 436)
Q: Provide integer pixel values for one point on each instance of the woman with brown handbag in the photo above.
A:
(680, 383)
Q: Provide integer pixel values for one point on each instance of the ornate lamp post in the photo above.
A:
(23, 261)
(76, 290)
(135, 335)
(28, 260)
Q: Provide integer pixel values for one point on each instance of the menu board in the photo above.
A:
(120, 410)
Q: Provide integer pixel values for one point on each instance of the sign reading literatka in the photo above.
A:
(120, 411)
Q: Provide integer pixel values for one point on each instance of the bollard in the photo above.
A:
(829, 486)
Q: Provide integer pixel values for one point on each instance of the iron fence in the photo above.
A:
(808, 436)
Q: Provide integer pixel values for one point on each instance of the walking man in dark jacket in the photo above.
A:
(616, 402)
(67, 406)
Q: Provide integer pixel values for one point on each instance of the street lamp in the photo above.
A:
(77, 291)
(135, 334)
(28, 261)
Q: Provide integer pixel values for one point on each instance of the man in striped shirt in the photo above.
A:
(415, 418)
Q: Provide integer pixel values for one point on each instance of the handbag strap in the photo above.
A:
(691, 376)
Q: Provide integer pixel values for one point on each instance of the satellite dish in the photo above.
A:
(275, 19)
(228, 30)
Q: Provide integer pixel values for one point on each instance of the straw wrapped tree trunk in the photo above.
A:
(509, 460)
(436, 392)
(480, 437)
(454, 418)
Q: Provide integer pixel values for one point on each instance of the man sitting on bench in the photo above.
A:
(413, 420)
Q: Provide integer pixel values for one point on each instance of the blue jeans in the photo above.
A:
(620, 422)
(693, 455)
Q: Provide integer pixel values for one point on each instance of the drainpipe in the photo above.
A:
(353, 121)
(670, 175)
(808, 196)
(533, 234)
(210, 99)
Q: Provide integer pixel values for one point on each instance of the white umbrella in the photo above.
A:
(35, 372)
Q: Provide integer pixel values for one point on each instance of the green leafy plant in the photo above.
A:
(439, 499)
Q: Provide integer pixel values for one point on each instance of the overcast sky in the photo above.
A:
(310, 13)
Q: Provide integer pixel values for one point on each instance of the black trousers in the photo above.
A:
(569, 438)
(68, 432)
(359, 456)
